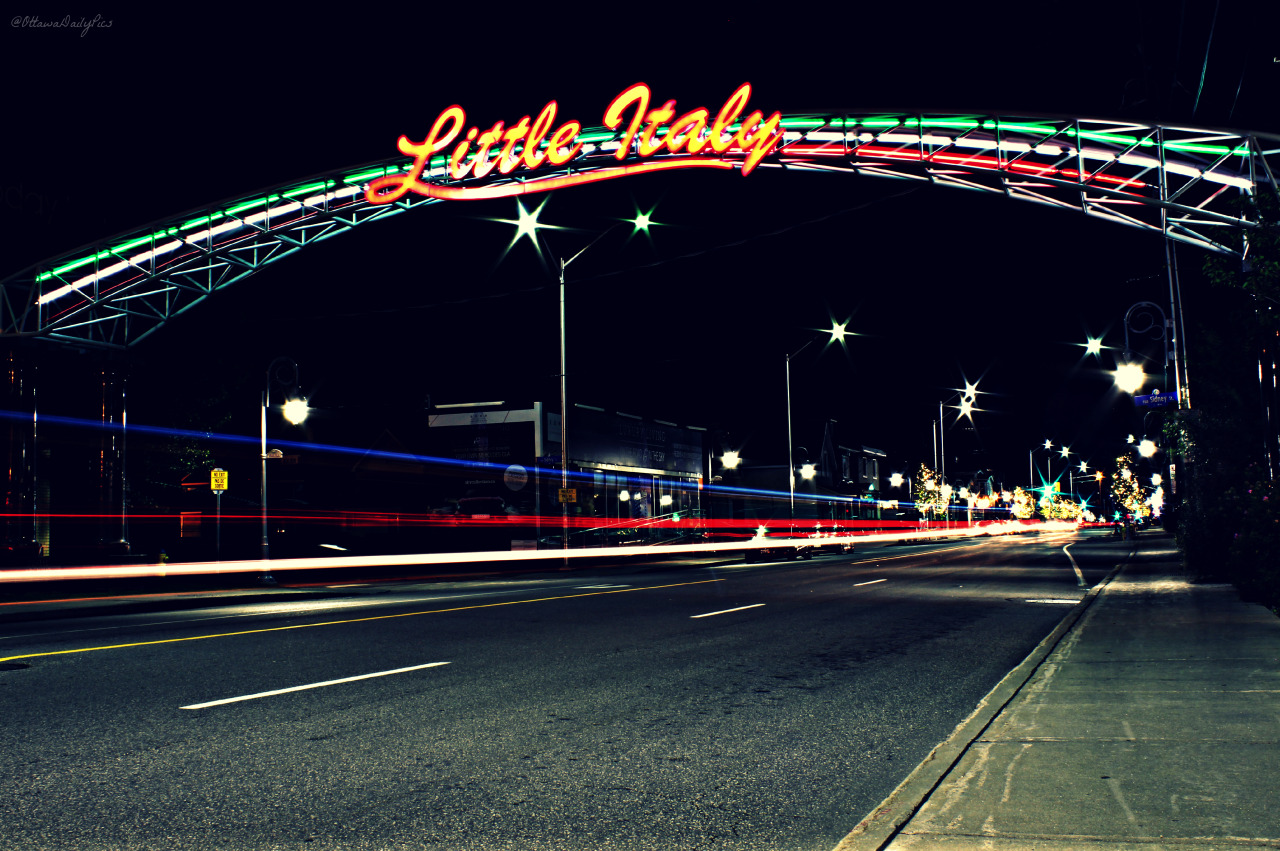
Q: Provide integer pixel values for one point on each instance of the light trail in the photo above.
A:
(109, 571)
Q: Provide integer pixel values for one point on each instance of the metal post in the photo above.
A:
(942, 442)
(934, 447)
(265, 547)
(791, 467)
(942, 445)
(564, 426)
(217, 529)
(124, 467)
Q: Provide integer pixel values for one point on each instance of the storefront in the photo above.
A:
(625, 473)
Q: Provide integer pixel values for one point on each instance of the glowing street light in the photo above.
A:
(1031, 464)
(838, 333)
(527, 227)
(968, 396)
(1093, 346)
(282, 371)
(730, 460)
(1147, 448)
(295, 410)
(1130, 377)
(808, 471)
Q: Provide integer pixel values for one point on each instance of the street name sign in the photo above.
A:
(1156, 400)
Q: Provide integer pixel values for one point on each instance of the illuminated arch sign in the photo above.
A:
(690, 140)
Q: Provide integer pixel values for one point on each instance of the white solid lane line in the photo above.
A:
(872, 582)
(726, 611)
(312, 685)
(1074, 566)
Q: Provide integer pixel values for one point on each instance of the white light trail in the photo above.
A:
(106, 571)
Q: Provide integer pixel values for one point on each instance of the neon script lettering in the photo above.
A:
(694, 140)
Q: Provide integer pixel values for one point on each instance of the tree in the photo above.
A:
(931, 495)
(1126, 488)
(1024, 504)
(1060, 507)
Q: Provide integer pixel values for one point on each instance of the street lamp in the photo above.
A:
(564, 397)
(1130, 377)
(1066, 456)
(1148, 319)
(1048, 445)
(838, 333)
(967, 397)
(527, 225)
(284, 372)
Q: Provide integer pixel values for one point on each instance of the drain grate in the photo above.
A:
(13, 666)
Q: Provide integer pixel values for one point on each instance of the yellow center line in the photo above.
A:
(352, 620)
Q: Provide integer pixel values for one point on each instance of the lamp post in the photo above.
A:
(527, 225)
(1048, 445)
(564, 393)
(282, 371)
(1141, 318)
(1066, 457)
(967, 397)
(837, 333)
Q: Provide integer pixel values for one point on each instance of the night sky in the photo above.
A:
(156, 114)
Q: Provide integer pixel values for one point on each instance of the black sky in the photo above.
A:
(114, 127)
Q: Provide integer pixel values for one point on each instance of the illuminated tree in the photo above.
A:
(931, 496)
(1024, 504)
(1061, 508)
(1127, 490)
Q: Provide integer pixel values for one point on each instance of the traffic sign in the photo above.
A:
(1156, 400)
(568, 494)
(218, 481)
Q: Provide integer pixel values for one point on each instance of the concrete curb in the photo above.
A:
(883, 823)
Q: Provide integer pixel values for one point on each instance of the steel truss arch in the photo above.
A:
(1180, 181)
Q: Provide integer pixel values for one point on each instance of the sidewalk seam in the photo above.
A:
(883, 824)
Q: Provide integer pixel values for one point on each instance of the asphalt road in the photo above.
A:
(736, 707)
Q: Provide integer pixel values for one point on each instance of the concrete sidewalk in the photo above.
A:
(1151, 721)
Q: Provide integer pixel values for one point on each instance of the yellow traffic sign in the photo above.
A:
(568, 494)
(218, 481)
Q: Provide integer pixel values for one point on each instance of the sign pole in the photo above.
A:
(218, 484)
